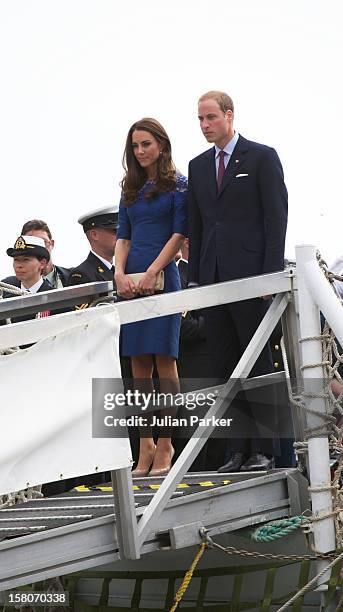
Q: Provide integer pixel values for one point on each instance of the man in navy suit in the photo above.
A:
(237, 225)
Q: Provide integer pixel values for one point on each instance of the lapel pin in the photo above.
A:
(236, 160)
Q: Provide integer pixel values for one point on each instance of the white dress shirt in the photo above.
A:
(34, 287)
(106, 263)
(228, 150)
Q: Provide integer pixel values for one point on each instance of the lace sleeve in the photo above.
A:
(181, 182)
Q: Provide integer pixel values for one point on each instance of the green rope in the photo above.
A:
(278, 529)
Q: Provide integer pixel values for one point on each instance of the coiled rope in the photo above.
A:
(279, 529)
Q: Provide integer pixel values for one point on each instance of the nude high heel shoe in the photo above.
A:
(163, 471)
(141, 472)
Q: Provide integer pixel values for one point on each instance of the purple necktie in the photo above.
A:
(221, 168)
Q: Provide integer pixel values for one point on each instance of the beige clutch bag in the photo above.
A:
(159, 279)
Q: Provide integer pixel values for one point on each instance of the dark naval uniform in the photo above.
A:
(13, 280)
(90, 270)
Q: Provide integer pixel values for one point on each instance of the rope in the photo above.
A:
(188, 577)
(20, 497)
(11, 289)
(311, 583)
(278, 529)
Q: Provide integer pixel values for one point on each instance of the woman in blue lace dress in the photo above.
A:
(152, 226)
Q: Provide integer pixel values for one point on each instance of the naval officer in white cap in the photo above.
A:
(100, 227)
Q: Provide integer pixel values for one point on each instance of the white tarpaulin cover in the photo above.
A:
(46, 402)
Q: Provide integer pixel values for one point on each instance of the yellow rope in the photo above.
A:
(188, 577)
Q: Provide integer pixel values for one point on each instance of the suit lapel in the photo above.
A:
(45, 286)
(210, 171)
(236, 159)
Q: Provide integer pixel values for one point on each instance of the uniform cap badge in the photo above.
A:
(20, 243)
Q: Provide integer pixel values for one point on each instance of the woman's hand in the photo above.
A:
(126, 288)
(147, 284)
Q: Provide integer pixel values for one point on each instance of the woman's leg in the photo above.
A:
(142, 368)
(169, 383)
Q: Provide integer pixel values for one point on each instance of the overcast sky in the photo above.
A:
(75, 74)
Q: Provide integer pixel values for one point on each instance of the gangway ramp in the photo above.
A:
(76, 531)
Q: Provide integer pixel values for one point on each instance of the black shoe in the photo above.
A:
(257, 462)
(234, 464)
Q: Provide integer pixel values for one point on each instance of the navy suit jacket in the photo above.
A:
(240, 229)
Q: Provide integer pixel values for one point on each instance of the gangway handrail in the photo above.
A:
(53, 299)
(139, 309)
(206, 296)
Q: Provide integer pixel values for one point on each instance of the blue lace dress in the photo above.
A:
(149, 225)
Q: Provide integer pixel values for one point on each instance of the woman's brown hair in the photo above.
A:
(135, 176)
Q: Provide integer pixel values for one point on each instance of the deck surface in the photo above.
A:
(84, 503)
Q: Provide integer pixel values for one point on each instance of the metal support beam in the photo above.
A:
(125, 513)
(291, 334)
(243, 368)
(318, 447)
